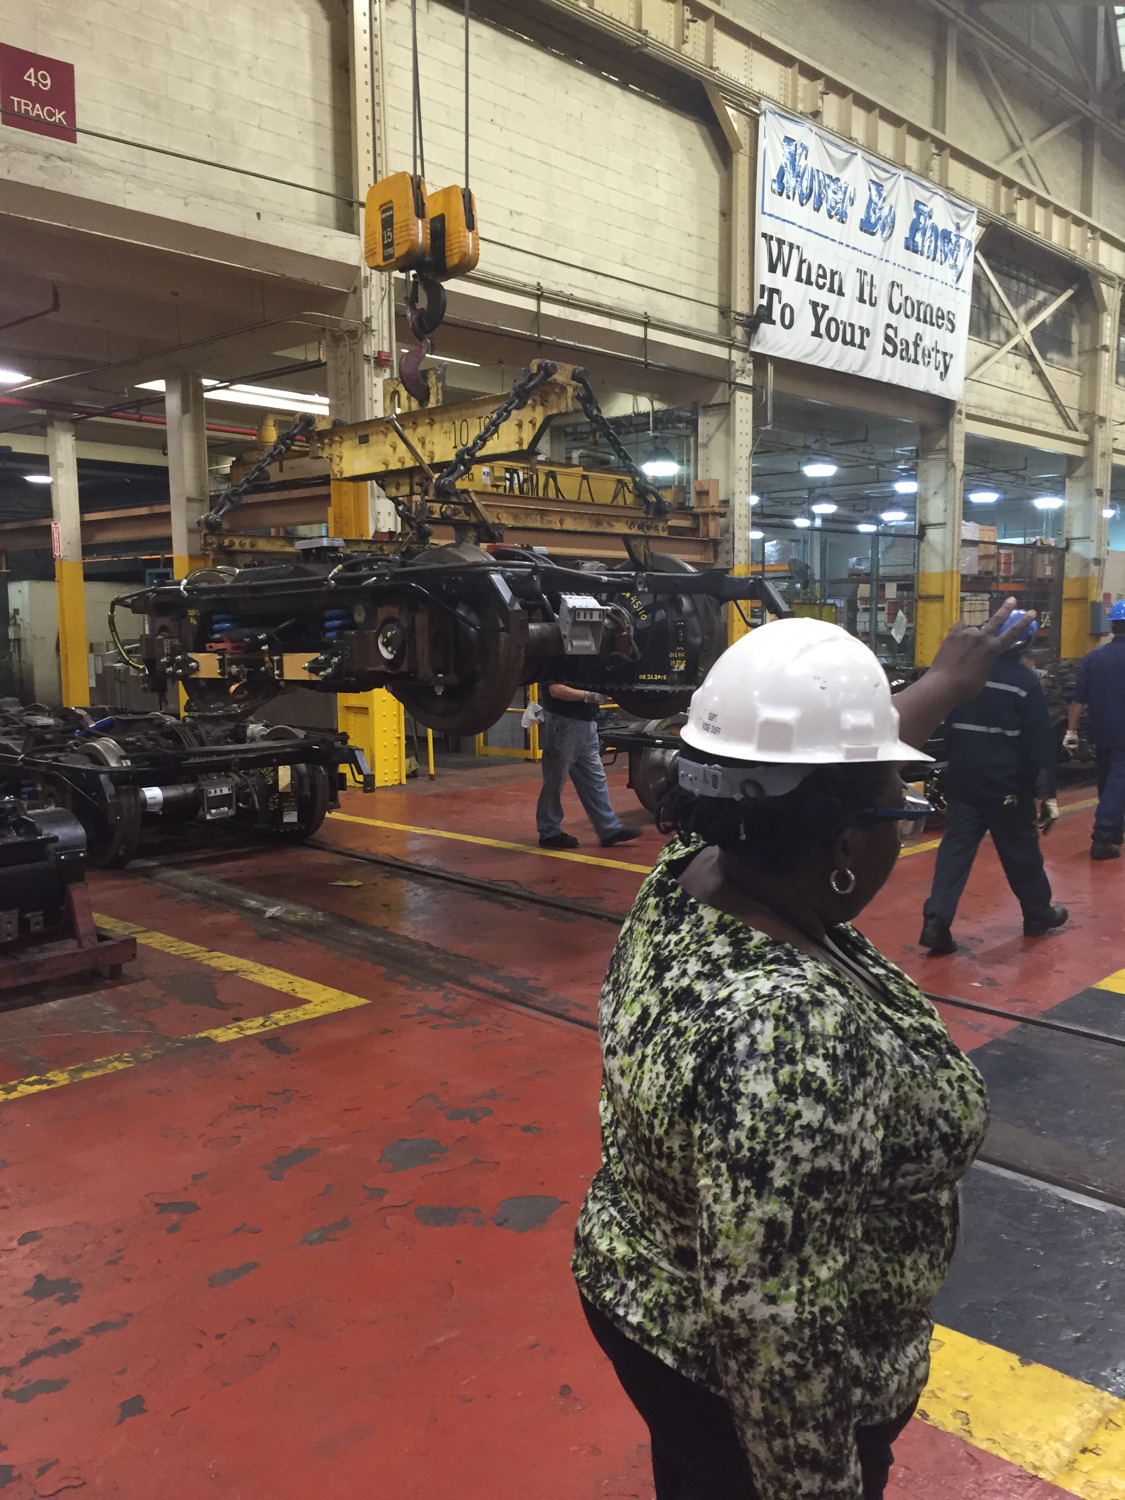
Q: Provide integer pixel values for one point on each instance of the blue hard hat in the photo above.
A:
(1117, 612)
(1028, 633)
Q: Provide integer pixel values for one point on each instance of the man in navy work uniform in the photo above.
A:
(568, 737)
(1001, 757)
(1100, 688)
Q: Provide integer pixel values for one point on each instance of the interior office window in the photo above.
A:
(1029, 292)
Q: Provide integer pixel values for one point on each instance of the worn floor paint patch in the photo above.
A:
(1059, 1429)
(321, 1000)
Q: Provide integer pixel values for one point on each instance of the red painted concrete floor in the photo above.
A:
(332, 1260)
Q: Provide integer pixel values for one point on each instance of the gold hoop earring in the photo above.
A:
(842, 882)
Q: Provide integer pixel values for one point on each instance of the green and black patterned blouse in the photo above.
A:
(776, 1205)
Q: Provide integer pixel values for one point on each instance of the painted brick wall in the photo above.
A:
(581, 184)
(255, 84)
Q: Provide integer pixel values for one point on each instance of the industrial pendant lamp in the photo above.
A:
(660, 463)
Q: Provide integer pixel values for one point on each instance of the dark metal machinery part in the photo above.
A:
(452, 631)
(155, 771)
(42, 852)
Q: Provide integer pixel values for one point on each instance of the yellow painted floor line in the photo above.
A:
(1048, 1424)
(320, 1000)
(473, 838)
(591, 859)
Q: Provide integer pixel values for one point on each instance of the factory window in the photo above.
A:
(1121, 354)
(1029, 293)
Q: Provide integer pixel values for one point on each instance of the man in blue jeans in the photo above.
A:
(568, 737)
(1100, 688)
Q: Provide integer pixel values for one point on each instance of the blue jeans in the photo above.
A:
(1013, 830)
(570, 748)
(1109, 820)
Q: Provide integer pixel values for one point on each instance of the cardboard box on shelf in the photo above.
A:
(970, 559)
(970, 531)
(1044, 564)
(1005, 562)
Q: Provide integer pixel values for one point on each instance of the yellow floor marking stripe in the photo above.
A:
(1050, 1425)
(320, 1000)
(472, 838)
(590, 859)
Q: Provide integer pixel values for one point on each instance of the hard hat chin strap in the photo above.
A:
(741, 783)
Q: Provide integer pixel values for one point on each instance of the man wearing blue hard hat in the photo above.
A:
(1100, 689)
(1001, 759)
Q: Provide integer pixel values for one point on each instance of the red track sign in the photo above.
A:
(37, 93)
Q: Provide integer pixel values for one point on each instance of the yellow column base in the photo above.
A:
(736, 625)
(938, 609)
(74, 648)
(183, 564)
(1075, 639)
(376, 723)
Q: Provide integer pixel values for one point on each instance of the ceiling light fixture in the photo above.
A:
(12, 377)
(262, 396)
(756, 536)
(1109, 512)
(894, 515)
(825, 508)
(1049, 502)
(661, 463)
(984, 497)
(867, 526)
(801, 521)
(906, 486)
(818, 468)
(38, 478)
(754, 499)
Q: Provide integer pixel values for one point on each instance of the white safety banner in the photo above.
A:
(860, 268)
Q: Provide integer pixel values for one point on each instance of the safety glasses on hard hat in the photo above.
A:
(909, 819)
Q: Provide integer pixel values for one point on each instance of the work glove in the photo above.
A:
(1070, 740)
(598, 698)
(1048, 814)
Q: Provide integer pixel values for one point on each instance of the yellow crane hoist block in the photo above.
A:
(454, 240)
(396, 225)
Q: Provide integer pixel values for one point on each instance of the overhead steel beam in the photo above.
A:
(1023, 334)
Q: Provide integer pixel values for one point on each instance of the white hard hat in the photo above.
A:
(798, 693)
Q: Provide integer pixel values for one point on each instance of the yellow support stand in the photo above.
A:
(939, 608)
(1075, 639)
(374, 721)
(377, 724)
(74, 648)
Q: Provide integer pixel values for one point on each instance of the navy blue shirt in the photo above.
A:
(1002, 744)
(1100, 685)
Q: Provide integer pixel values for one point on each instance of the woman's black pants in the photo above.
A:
(696, 1454)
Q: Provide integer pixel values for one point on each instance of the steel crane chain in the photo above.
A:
(650, 497)
(233, 494)
(521, 393)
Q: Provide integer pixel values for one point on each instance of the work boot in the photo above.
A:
(1103, 849)
(559, 841)
(937, 937)
(1041, 925)
(622, 836)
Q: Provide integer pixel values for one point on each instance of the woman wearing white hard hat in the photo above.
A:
(784, 1115)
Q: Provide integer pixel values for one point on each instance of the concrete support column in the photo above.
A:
(360, 357)
(188, 483)
(941, 477)
(74, 663)
(1090, 478)
(361, 352)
